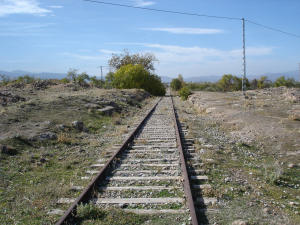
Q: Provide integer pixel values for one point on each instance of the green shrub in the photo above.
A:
(176, 84)
(25, 79)
(281, 81)
(136, 76)
(65, 80)
(4, 80)
(184, 93)
(96, 82)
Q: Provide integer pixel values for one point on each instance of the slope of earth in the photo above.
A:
(251, 153)
(49, 135)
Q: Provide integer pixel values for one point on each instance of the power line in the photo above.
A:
(273, 29)
(194, 14)
(163, 10)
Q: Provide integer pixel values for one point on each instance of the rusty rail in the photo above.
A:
(186, 181)
(89, 191)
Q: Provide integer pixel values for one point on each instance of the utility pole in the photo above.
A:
(244, 60)
(101, 73)
(299, 72)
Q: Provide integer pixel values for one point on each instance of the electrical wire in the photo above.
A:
(272, 28)
(193, 14)
(163, 10)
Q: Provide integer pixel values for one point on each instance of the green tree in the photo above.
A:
(72, 75)
(176, 84)
(4, 79)
(136, 76)
(82, 78)
(96, 82)
(281, 81)
(262, 82)
(147, 60)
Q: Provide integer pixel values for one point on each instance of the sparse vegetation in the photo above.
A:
(230, 82)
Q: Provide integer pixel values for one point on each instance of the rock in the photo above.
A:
(8, 150)
(78, 125)
(202, 151)
(43, 160)
(48, 136)
(91, 106)
(227, 179)
(55, 212)
(61, 126)
(291, 165)
(267, 210)
(123, 205)
(6, 97)
(108, 110)
(239, 222)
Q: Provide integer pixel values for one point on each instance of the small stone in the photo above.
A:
(239, 222)
(56, 212)
(227, 179)
(48, 136)
(108, 110)
(61, 126)
(202, 151)
(123, 205)
(78, 125)
(291, 165)
(267, 210)
(43, 160)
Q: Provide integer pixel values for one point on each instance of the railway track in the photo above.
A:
(149, 173)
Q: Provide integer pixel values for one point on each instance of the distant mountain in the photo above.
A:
(42, 75)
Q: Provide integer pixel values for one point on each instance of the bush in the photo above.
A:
(136, 76)
(4, 80)
(281, 81)
(25, 79)
(96, 82)
(184, 93)
(176, 84)
(65, 80)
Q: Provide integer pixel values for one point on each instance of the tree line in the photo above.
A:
(130, 71)
(229, 82)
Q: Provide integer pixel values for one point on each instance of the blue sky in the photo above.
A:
(56, 35)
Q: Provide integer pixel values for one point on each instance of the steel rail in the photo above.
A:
(186, 181)
(89, 191)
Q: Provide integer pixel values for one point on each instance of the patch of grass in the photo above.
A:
(90, 214)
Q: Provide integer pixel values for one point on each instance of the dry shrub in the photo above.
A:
(64, 138)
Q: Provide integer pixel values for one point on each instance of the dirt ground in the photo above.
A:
(49, 136)
(251, 153)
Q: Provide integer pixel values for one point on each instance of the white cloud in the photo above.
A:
(142, 3)
(196, 53)
(8, 7)
(55, 6)
(23, 29)
(186, 30)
